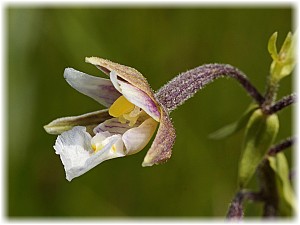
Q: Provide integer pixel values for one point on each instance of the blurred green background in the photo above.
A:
(200, 179)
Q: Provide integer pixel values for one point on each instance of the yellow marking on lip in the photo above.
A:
(97, 147)
(120, 106)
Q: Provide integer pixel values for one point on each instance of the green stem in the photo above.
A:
(271, 94)
(266, 175)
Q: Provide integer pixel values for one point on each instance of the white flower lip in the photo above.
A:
(134, 138)
(77, 155)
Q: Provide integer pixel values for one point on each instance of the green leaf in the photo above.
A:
(287, 200)
(234, 127)
(272, 46)
(261, 131)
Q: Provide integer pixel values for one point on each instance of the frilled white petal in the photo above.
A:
(73, 147)
(135, 139)
(100, 89)
(76, 153)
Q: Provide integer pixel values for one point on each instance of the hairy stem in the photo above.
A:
(186, 84)
(281, 104)
(235, 210)
(271, 93)
(281, 146)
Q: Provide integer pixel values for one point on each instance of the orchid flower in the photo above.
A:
(132, 115)
(124, 128)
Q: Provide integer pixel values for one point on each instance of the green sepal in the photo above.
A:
(234, 127)
(272, 46)
(89, 120)
(287, 199)
(287, 54)
(260, 133)
(284, 61)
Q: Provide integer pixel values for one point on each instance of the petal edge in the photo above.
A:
(127, 73)
(100, 89)
(161, 148)
(135, 139)
(89, 120)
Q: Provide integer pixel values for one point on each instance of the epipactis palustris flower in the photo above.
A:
(124, 128)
